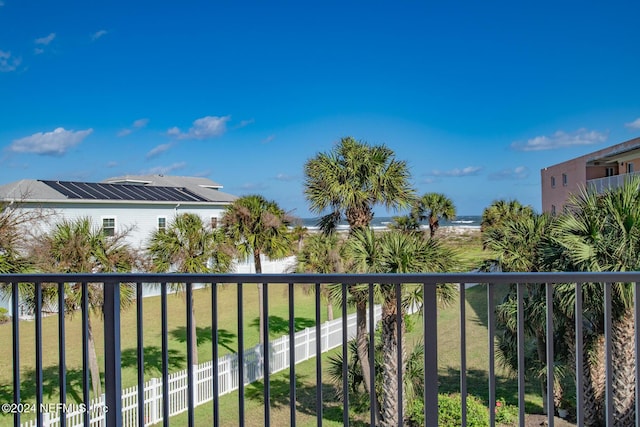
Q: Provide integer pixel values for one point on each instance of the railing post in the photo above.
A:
(430, 319)
(112, 355)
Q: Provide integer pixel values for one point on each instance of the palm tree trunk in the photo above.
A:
(194, 334)
(541, 349)
(433, 226)
(93, 362)
(329, 308)
(362, 342)
(390, 368)
(593, 376)
(624, 370)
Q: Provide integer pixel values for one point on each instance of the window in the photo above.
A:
(214, 222)
(162, 223)
(553, 182)
(608, 171)
(109, 226)
(629, 167)
(564, 179)
(553, 210)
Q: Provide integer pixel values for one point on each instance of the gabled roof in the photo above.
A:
(193, 190)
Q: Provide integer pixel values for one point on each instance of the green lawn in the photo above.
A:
(448, 349)
(227, 318)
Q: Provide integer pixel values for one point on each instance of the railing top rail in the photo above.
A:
(426, 278)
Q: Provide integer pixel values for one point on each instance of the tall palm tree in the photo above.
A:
(348, 182)
(351, 179)
(433, 207)
(521, 243)
(395, 252)
(257, 226)
(188, 245)
(322, 253)
(76, 246)
(601, 232)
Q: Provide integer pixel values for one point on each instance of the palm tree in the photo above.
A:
(433, 207)
(502, 210)
(351, 179)
(76, 246)
(406, 223)
(395, 252)
(187, 245)
(322, 254)
(298, 235)
(601, 232)
(521, 243)
(257, 226)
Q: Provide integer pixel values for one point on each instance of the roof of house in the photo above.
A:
(202, 186)
(142, 188)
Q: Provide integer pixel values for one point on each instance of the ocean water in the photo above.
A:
(382, 222)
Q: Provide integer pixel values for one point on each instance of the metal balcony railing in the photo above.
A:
(600, 185)
(112, 413)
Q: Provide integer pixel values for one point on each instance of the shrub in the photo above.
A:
(4, 317)
(450, 411)
(505, 414)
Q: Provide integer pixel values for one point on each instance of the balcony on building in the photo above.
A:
(610, 170)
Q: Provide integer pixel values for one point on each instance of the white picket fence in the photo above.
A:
(305, 348)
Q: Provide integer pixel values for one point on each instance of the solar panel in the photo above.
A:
(101, 191)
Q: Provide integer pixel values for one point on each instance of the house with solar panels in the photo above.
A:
(140, 204)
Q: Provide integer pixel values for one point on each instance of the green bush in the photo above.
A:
(4, 317)
(450, 411)
(506, 414)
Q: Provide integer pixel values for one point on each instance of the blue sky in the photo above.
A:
(476, 96)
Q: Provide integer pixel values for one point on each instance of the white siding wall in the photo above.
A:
(143, 218)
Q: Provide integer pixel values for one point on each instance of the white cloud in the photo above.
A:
(244, 123)
(140, 123)
(468, 171)
(156, 151)
(203, 128)
(38, 51)
(137, 124)
(45, 40)
(520, 172)
(253, 186)
(98, 34)
(8, 62)
(634, 124)
(54, 143)
(163, 170)
(1, 3)
(268, 139)
(284, 177)
(561, 139)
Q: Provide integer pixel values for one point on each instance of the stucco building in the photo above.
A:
(600, 170)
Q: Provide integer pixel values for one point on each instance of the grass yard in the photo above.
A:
(449, 376)
(227, 318)
(468, 246)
